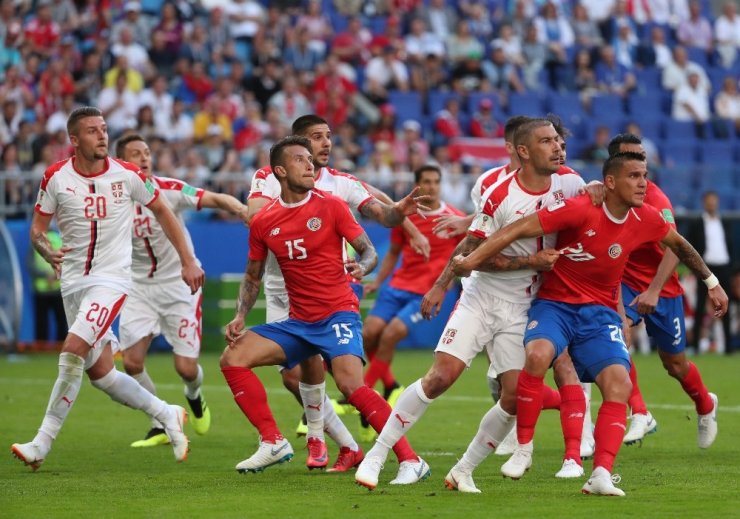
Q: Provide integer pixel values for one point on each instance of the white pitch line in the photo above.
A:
(279, 391)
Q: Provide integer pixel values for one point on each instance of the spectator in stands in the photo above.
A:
(655, 51)
(145, 124)
(430, 74)
(193, 170)
(612, 77)
(163, 60)
(353, 142)
(134, 23)
(218, 29)
(276, 27)
(9, 22)
(410, 142)
(479, 20)
(598, 151)
(303, 55)
(178, 127)
(10, 56)
(447, 123)
(462, 44)
(120, 107)
(696, 31)
(24, 143)
(511, 45)
(88, 80)
(196, 46)
(727, 102)
(58, 120)
(727, 34)
(585, 30)
(584, 76)
(10, 119)
(502, 76)
(171, 27)
(159, 99)
(14, 89)
(228, 101)
(625, 46)
(676, 73)
(289, 102)
(331, 80)
(420, 42)
(651, 150)
(383, 73)
(351, 44)
(483, 123)
(691, 102)
(599, 11)
(136, 53)
(619, 16)
(134, 79)
(245, 17)
(265, 84)
(317, 26)
(207, 120)
(554, 30)
(470, 76)
(41, 31)
(440, 17)
(535, 53)
(520, 20)
(384, 130)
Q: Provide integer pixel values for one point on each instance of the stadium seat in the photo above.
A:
(645, 105)
(678, 152)
(716, 177)
(607, 106)
(720, 153)
(673, 129)
(407, 105)
(565, 104)
(527, 103)
(648, 79)
(682, 198)
(437, 99)
(723, 129)
(698, 56)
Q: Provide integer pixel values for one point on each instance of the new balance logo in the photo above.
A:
(403, 422)
(67, 400)
(275, 231)
(590, 233)
(620, 425)
(275, 452)
(314, 407)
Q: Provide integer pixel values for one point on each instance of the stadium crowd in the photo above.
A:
(211, 84)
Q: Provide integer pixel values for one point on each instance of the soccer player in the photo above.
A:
(92, 197)
(159, 301)
(576, 307)
(305, 230)
(266, 187)
(651, 291)
(398, 305)
(492, 310)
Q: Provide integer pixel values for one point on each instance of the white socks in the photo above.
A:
(313, 397)
(125, 390)
(192, 388)
(494, 426)
(63, 394)
(147, 383)
(335, 427)
(411, 405)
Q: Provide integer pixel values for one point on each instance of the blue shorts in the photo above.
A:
(665, 325)
(592, 334)
(338, 334)
(392, 302)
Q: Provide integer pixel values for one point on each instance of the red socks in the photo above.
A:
(550, 398)
(609, 432)
(696, 389)
(636, 403)
(377, 411)
(250, 396)
(376, 371)
(572, 409)
(528, 405)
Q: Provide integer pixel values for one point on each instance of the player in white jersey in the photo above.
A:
(373, 204)
(92, 197)
(492, 311)
(159, 302)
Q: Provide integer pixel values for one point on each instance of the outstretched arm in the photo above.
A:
(391, 215)
(253, 207)
(368, 257)
(688, 255)
(248, 292)
(226, 203)
(419, 243)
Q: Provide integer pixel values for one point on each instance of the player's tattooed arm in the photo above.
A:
(40, 241)
(250, 287)
(543, 260)
(384, 214)
(368, 257)
(419, 243)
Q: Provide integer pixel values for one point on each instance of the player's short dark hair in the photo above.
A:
(512, 124)
(557, 123)
(522, 133)
(622, 138)
(616, 161)
(80, 113)
(304, 122)
(276, 151)
(426, 167)
(125, 140)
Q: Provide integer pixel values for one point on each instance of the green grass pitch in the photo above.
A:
(92, 471)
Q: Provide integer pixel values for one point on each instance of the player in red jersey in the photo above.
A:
(158, 302)
(651, 291)
(398, 305)
(92, 197)
(357, 195)
(305, 229)
(577, 305)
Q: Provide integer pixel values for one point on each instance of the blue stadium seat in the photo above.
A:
(407, 105)
(723, 129)
(650, 126)
(678, 152)
(527, 103)
(437, 99)
(607, 106)
(642, 105)
(718, 153)
(720, 178)
(682, 196)
(648, 79)
(565, 104)
(698, 56)
(673, 129)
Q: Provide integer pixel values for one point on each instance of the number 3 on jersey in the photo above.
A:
(296, 250)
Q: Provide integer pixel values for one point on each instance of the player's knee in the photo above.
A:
(508, 402)
(290, 380)
(538, 360)
(394, 332)
(133, 366)
(437, 381)
(676, 367)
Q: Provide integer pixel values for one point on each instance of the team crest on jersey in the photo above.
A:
(615, 251)
(558, 200)
(449, 335)
(532, 325)
(117, 189)
(314, 224)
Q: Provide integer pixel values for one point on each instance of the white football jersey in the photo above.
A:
(342, 185)
(485, 180)
(155, 259)
(503, 203)
(94, 214)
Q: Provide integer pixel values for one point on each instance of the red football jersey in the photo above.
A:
(643, 262)
(307, 241)
(595, 246)
(415, 273)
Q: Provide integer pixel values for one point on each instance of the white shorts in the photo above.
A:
(168, 309)
(90, 313)
(277, 307)
(486, 323)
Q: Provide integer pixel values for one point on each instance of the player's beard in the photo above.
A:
(298, 188)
